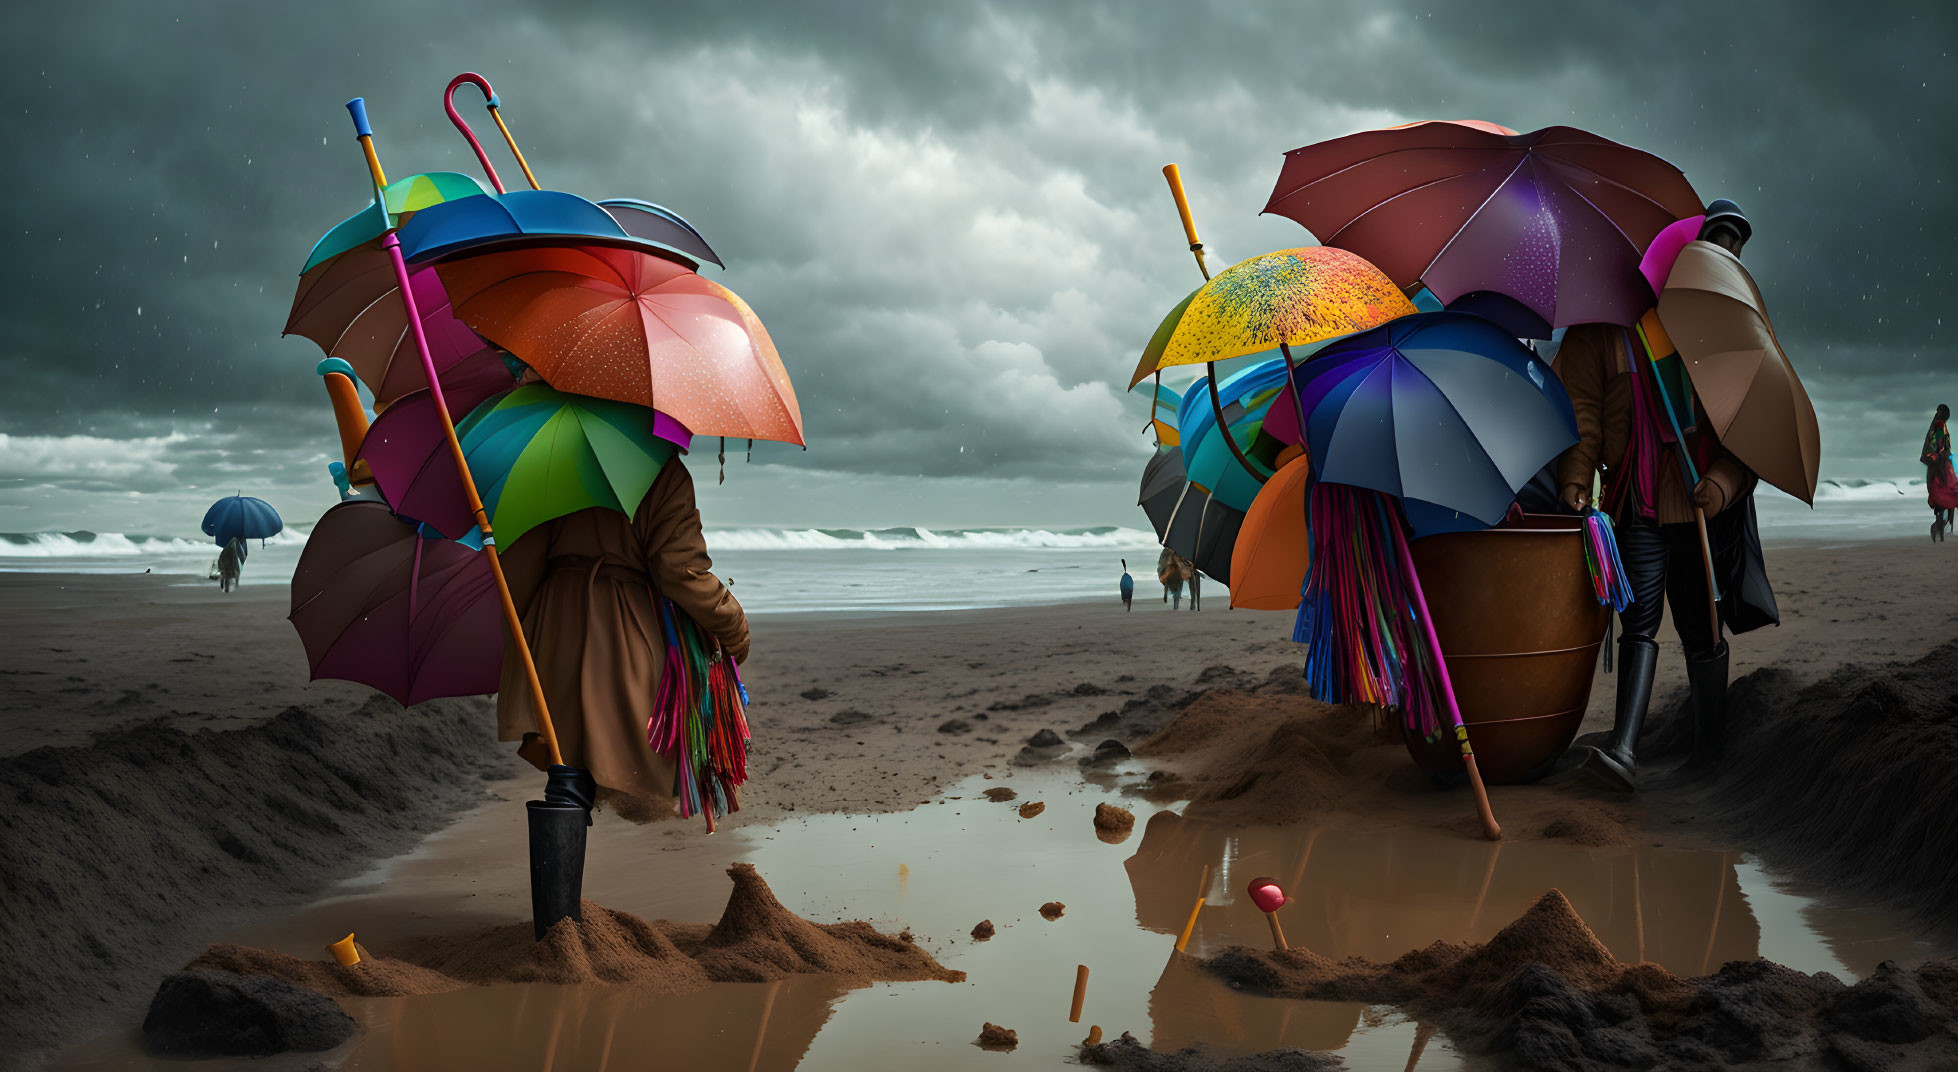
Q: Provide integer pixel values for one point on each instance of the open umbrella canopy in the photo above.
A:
(627, 325)
(1274, 546)
(351, 307)
(401, 197)
(1294, 296)
(1556, 219)
(1186, 519)
(1445, 411)
(1752, 396)
(1246, 398)
(378, 604)
(1163, 408)
(241, 517)
(652, 223)
(537, 454)
(517, 216)
(1657, 263)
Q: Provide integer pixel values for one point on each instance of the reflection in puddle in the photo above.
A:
(941, 868)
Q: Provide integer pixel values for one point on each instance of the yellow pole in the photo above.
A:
(512, 142)
(1174, 175)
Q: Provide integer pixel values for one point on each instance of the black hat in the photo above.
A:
(1721, 209)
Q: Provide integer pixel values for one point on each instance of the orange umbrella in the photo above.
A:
(632, 326)
(1752, 396)
(1273, 549)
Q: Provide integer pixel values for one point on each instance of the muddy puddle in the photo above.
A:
(942, 868)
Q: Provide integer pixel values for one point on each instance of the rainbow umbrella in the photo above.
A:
(537, 454)
(399, 198)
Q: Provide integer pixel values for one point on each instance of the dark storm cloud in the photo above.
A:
(948, 214)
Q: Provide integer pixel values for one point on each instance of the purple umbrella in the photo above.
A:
(1444, 411)
(1556, 219)
(375, 603)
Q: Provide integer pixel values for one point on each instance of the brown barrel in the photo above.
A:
(1520, 627)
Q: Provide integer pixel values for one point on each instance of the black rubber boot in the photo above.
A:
(1708, 679)
(557, 863)
(1613, 761)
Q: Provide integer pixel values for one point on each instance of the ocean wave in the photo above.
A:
(902, 539)
(1855, 489)
(85, 544)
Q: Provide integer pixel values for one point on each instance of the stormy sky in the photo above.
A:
(949, 214)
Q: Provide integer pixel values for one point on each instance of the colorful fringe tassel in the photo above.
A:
(699, 717)
(1356, 611)
(1608, 579)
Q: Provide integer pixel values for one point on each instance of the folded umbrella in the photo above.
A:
(378, 604)
(1556, 219)
(241, 517)
(1752, 396)
(1444, 411)
(627, 325)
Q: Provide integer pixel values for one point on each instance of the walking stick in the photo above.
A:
(1489, 826)
(358, 109)
(1175, 177)
(1689, 473)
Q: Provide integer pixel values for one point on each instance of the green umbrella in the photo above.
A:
(412, 194)
(537, 453)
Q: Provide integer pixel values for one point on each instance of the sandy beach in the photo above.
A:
(173, 781)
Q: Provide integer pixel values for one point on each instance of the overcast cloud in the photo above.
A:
(949, 214)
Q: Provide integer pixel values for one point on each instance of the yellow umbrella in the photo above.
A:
(1294, 297)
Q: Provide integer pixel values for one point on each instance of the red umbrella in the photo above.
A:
(632, 326)
(1556, 219)
(377, 604)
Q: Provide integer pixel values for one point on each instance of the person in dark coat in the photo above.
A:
(1624, 431)
(1128, 587)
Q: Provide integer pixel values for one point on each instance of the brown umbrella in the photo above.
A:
(1755, 402)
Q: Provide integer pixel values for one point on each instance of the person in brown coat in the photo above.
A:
(1622, 431)
(583, 585)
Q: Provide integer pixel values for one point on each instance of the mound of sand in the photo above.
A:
(1125, 1054)
(1266, 756)
(756, 940)
(1849, 782)
(117, 853)
(1112, 824)
(1544, 993)
(994, 1037)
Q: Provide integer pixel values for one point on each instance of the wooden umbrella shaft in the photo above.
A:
(1489, 825)
(511, 621)
(1689, 473)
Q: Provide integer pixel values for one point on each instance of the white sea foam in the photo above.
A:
(901, 539)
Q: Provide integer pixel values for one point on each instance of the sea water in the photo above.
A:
(786, 570)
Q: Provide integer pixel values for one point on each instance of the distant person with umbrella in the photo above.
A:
(1648, 436)
(1128, 587)
(231, 561)
(1940, 483)
(230, 522)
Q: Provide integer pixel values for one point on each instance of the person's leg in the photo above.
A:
(1611, 756)
(1706, 651)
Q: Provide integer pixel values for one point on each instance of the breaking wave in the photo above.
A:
(903, 539)
(85, 544)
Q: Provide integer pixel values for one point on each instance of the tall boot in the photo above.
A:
(1613, 761)
(1707, 678)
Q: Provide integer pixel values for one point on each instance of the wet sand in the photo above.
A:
(109, 654)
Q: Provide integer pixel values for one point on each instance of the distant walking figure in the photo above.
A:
(1940, 483)
(1196, 590)
(229, 561)
(1128, 587)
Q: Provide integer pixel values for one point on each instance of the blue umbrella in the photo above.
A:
(241, 517)
(1445, 411)
(521, 214)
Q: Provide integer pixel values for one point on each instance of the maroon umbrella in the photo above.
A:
(377, 604)
(1556, 219)
(406, 447)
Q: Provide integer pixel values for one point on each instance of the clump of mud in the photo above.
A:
(1264, 757)
(1032, 808)
(1053, 910)
(756, 940)
(999, 794)
(1544, 993)
(1112, 824)
(994, 1037)
(1125, 1054)
(983, 931)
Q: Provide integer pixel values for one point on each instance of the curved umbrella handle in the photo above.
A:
(493, 102)
(449, 105)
